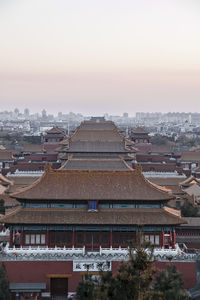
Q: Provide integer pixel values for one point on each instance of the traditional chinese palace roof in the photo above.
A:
(95, 164)
(56, 131)
(94, 137)
(101, 217)
(140, 131)
(6, 155)
(127, 186)
(93, 185)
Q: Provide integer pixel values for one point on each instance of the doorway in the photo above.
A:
(59, 288)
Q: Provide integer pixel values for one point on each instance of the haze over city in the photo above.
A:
(103, 56)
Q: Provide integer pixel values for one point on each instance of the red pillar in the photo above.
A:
(22, 238)
(174, 239)
(163, 239)
(48, 238)
(11, 239)
(111, 239)
(170, 238)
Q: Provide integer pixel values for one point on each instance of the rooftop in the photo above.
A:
(95, 164)
(97, 146)
(140, 130)
(190, 156)
(56, 130)
(6, 155)
(192, 222)
(190, 180)
(94, 185)
(90, 125)
(97, 137)
(101, 217)
(33, 148)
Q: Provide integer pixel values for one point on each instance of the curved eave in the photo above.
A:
(154, 217)
(93, 185)
(21, 199)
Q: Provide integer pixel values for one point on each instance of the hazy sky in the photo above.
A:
(97, 56)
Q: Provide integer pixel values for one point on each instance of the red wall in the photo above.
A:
(193, 246)
(187, 270)
(38, 271)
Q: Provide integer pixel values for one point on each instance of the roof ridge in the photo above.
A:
(125, 184)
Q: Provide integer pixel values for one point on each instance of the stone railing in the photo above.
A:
(108, 254)
(164, 174)
(43, 250)
(5, 233)
(18, 173)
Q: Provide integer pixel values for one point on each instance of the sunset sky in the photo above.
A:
(95, 57)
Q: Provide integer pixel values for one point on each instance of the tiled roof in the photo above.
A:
(140, 130)
(96, 146)
(92, 184)
(8, 201)
(5, 183)
(162, 188)
(172, 183)
(97, 137)
(167, 181)
(2, 189)
(193, 190)
(190, 156)
(107, 125)
(20, 182)
(5, 180)
(175, 189)
(95, 164)
(161, 148)
(84, 217)
(56, 130)
(6, 155)
(23, 180)
(192, 222)
(160, 167)
(190, 180)
(32, 148)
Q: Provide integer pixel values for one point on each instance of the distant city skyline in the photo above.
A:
(97, 57)
(124, 114)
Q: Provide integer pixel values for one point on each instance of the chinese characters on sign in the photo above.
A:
(91, 266)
